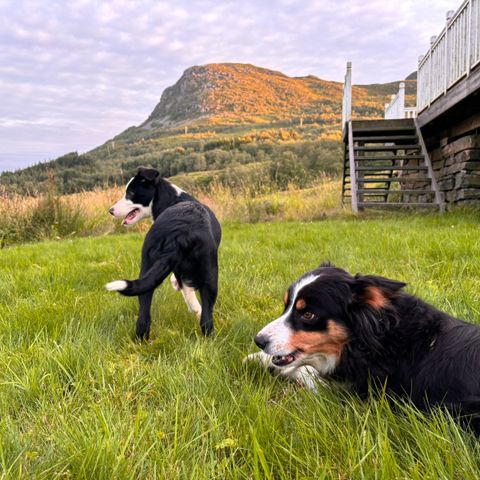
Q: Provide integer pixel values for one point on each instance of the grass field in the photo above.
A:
(79, 398)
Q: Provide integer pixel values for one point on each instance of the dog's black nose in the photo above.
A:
(110, 211)
(261, 341)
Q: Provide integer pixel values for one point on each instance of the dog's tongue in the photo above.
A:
(282, 360)
(130, 216)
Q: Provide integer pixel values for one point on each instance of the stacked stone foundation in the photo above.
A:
(456, 166)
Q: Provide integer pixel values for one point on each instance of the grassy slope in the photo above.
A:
(80, 399)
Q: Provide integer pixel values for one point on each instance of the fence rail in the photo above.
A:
(452, 54)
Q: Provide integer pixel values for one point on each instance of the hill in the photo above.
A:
(219, 116)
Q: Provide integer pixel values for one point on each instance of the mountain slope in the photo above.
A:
(219, 116)
(243, 92)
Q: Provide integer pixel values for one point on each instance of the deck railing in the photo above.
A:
(396, 108)
(452, 54)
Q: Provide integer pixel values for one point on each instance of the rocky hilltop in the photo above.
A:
(244, 93)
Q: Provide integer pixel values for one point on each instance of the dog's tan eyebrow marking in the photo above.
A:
(285, 298)
(300, 304)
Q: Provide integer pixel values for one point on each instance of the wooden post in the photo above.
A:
(347, 96)
(449, 16)
(431, 174)
(353, 173)
(401, 99)
(419, 84)
(468, 35)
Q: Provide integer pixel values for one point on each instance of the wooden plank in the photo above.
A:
(394, 179)
(385, 138)
(431, 174)
(347, 96)
(386, 148)
(388, 158)
(393, 192)
(397, 204)
(378, 168)
(353, 183)
(387, 125)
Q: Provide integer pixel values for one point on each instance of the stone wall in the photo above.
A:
(456, 165)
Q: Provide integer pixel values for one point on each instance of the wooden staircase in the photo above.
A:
(386, 164)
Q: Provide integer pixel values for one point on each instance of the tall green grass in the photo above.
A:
(79, 398)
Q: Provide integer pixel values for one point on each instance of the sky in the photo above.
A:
(74, 73)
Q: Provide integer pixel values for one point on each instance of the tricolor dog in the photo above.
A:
(183, 240)
(367, 331)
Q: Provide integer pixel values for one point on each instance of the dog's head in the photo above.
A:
(324, 310)
(136, 204)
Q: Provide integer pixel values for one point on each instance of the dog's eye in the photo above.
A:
(309, 316)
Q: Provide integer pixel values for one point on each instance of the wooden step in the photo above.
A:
(397, 204)
(401, 124)
(393, 179)
(387, 158)
(385, 138)
(385, 148)
(381, 191)
(375, 175)
(390, 168)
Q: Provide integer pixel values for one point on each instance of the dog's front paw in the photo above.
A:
(308, 377)
(259, 357)
(116, 286)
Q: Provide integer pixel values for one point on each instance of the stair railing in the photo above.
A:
(438, 195)
(347, 97)
(353, 172)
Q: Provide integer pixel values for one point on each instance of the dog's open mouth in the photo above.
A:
(283, 360)
(131, 216)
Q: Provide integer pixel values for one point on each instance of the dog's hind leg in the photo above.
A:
(191, 300)
(174, 282)
(188, 295)
(145, 301)
(208, 294)
(144, 318)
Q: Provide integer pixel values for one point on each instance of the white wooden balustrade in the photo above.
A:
(396, 108)
(452, 54)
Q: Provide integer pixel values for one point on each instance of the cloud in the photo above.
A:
(84, 70)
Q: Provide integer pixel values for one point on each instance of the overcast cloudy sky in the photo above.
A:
(74, 73)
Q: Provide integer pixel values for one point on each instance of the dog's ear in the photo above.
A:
(149, 174)
(326, 263)
(374, 290)
(372, 312)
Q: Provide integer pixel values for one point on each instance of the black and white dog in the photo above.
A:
(183, 240)
(367, 331)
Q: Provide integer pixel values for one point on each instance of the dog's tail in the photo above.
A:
(154, 276)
